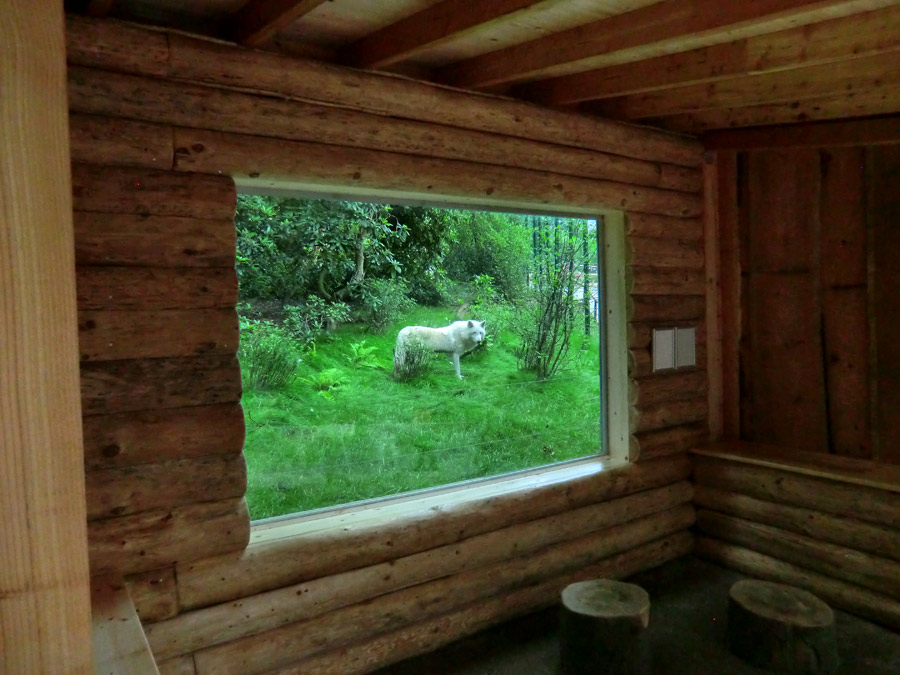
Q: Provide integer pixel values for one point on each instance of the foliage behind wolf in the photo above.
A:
(456, 339)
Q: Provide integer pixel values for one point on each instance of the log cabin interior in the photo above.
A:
(750, 154)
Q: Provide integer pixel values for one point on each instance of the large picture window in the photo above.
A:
(394, 348)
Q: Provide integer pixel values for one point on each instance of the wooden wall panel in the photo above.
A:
(784, 344)
(815, 247)
(163, 427)
(149, 436)
(730, 290)
(154, 593)
(782, 212)
(844, 280)
(189, 105)
(845, 326)
(883, 217)
(786, 359)
(142, 240)
(156, 291)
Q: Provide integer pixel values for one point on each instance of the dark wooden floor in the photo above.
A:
(687, 632)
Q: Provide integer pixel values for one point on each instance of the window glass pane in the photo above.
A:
(392, 348)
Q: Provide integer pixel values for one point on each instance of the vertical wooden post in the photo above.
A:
(44, 590)
(614, 312)
(713, 294)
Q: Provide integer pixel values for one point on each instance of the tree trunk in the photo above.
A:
(781, 628)
(602, 626)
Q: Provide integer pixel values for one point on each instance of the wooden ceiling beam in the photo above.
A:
(842, 133)
(259, 20)
(786, 86)
(665, 27)
(849, 37)
(435, 24)
(883, 101)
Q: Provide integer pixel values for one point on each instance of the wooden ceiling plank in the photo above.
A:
(841, 133)
(259, 20)
(666, 27)
(423, 29)
(873, 72)
(849, 37)
(883, 101)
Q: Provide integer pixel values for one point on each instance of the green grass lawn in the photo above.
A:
(344, 430)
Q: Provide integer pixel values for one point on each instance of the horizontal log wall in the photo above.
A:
(155, 245)
(824, 529)
(163, 429)
(317, 593)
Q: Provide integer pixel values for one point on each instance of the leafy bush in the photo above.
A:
(488, 305)
(363, 355)
(268, 356)
(416, 362)
(495, 244)
(306, 323)
(382, 301)
(499, 318)
(327, 381)
(430, 288)
(546, 321)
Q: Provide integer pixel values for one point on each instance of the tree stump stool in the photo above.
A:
(781, 628)
(601, 628)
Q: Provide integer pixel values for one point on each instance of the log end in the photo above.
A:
(781, 603)
(781, 628)
(602, 628)
(608, 599)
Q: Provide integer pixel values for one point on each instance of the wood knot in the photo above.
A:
(111, 450)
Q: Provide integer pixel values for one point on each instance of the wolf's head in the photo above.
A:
(476, 330)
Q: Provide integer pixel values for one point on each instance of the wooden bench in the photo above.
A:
(120, 647)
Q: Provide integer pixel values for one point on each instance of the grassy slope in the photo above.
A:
(373, 436)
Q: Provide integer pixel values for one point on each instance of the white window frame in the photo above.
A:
(614, 385)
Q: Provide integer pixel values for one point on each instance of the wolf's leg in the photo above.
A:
(455, 358)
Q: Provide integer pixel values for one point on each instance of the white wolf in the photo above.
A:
(456, 339)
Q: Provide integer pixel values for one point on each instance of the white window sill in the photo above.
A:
(389, 509)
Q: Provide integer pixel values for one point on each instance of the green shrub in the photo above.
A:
(417, 361)
(363, 355)
(495, 244)
(268, 355)
(327, 381)
(546, 322)
(306, 323)
(383, 300)
(431, 288)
